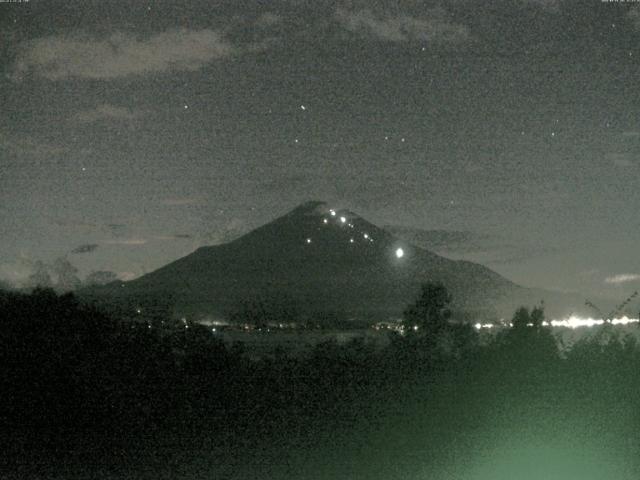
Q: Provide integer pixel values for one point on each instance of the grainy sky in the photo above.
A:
(133, 132)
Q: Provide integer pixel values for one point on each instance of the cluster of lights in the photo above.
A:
(480, 326)
(575, 322)
(396, 327)
(572, 322)
(343, 221)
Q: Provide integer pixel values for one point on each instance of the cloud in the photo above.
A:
(29, 146)
(100, 277)
(66, 273)
(106, 112)
(620, 159)
(433, 27)
(86, 248)
(126, 241)
(127, 276)
(16, 273)
(176, 236)
(27, 272)
(631, 134)
(622, 278)
(40, 276)
(59, 57)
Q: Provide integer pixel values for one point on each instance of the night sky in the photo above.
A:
(132, 133)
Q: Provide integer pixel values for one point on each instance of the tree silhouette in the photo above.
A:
(529, 339)
(430, 313)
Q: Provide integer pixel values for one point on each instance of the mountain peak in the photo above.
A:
(311, 207)
(326, 258)
(320, 208)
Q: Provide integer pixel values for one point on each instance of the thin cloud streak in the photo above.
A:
(59, 57)
(622, 278)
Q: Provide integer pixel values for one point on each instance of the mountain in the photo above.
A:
(319, 261)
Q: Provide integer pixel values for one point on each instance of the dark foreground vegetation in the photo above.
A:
(83, 395)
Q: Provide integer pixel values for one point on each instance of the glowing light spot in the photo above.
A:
(571, 322)
(333, 213)
(186, 107)
(366, 235)
(213, 330)
(324, 220)
(343, 219)
(302, 107)
(351, 240)
(138, 310)
(399, 252)
(308, 240)
(624, 320)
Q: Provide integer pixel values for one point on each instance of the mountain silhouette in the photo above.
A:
(321, 260)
